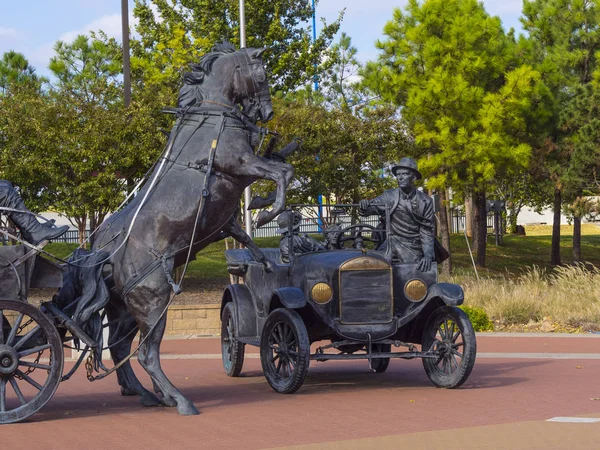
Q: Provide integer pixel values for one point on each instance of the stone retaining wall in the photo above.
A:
(182, 320)
(204, 320)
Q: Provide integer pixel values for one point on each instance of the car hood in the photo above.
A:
(324, 264)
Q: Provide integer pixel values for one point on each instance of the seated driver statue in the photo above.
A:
(31, 230)
(411, 238)
(302, 243)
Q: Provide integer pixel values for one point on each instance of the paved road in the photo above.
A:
(516, 385)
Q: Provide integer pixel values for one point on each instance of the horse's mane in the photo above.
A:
(206, 62)
(188, 96)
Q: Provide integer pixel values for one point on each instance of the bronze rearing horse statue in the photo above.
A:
(190, 198)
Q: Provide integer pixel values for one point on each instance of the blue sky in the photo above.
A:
(32, 27)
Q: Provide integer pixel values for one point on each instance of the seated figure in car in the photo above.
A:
(302, 243)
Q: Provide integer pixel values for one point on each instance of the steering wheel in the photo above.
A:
(354, 233)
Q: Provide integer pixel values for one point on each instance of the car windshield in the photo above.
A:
(308, 228)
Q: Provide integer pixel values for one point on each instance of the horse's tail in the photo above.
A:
(84, 286)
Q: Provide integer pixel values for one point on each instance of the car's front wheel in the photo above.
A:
(450, 336)
(285, 351)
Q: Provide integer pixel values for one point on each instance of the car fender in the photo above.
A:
(451, 294)
(245, 314)
(290, 297)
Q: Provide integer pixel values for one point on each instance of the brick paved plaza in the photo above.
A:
(517, 384)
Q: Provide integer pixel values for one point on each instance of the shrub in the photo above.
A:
(479, 318)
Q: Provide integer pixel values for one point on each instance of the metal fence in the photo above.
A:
(309, 225)
(458, 223)
(71, 237)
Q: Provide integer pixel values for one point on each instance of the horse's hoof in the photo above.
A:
(268, 266)
(149, 399)
(263, 218)
(126, 392)
(169, 401)
(187, 409)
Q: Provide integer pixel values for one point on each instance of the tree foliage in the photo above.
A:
(15, 70)
(174, 34)
(454, 71)
(565, 39)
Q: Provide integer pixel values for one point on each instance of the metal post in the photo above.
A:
(316, 84)
(497, 226)
(314, 26)
(248, 190)
(126, 64)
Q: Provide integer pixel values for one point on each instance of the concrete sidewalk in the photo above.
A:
(518, 345)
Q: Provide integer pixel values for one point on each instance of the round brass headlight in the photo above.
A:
(321, 293)
(415, 290)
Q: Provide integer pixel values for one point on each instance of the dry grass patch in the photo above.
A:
(568, 299)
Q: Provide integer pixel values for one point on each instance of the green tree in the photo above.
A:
(342, 154)
(455, 74)
(340, 82)
(16, 70)
(346, 141)
(565, 39)
(98, 143)
(175, 34)
(25, 143)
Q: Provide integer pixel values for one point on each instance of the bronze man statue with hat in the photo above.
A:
(411, 238)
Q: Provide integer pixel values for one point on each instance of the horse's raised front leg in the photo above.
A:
(280, 173)
(235, 230)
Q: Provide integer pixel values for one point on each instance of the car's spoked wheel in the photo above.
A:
(449, 334)
(31, 360)
(285, 351)
(232, 350)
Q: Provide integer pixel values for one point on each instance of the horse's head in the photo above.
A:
(237, 76)
(257, 105)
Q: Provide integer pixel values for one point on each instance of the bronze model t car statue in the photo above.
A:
(357, 303)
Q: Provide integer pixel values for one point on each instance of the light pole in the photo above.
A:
(126, 64)
(248, 190)
(314, 17)
(316, 84)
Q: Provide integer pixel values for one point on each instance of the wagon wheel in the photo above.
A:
(31, 360)
(285, 351)
(380, 365)
(232, 350)
(450, 335)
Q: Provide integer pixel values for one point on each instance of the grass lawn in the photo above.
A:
(520, 252)
(516, 255)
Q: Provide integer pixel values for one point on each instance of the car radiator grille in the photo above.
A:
(366, 296)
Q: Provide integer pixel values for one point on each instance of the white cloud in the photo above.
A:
(505, 7)
(109, 24)
(8, 33)
(327, 7)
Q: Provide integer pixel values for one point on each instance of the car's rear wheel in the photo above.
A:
(380, 365)
(285, 351)
(449, 334)
(232, 350)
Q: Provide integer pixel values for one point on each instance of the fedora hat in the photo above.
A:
(283, 221)
(407, 163)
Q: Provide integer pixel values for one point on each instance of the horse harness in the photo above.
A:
(221, 123)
